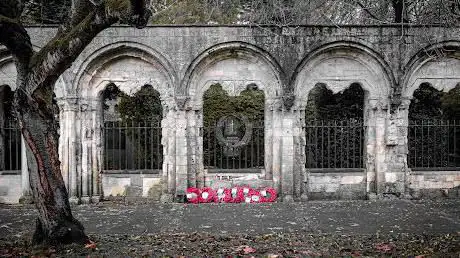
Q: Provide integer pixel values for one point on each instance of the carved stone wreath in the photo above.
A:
(244, 140)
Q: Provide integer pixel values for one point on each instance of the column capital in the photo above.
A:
(69, 103)
(378, 104)
(89, 104)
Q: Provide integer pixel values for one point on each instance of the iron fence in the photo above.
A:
(11, 140)
(133, 146)
(334, 144)
(246, 156)
(434, 144)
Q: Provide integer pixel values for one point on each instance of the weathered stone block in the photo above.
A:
(151, 187)
(10, 188)
(352, 180)
(115, 186)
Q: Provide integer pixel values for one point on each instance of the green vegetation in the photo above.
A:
(429, 103)
(138, 131)
(144, 105)
(323, 104)
(217, 103)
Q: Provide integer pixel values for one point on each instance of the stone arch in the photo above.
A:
(7, 69)
(20, 187)
(340, 64)
(234, 65)
(438, 65)
(244, 64)
(129, 65)
(135, 65)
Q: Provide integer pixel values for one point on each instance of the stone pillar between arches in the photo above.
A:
(168, 140)
(286, 134)
(91, 140)
(68, 146)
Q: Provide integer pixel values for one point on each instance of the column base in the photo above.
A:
(96, 199)
(166, 198)
(372, 196)
(74, 200)
(288, 198)
(304, 197)
(85, 200)
(26, 199)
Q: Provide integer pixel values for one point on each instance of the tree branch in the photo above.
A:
(17, 41)
(59, 54)
(373, 16)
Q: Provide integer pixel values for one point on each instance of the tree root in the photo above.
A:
(61, 233)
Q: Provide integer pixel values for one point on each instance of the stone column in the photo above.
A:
(26, 196)
(299, 158)
(168, 140)
(90, 140)
(287, 155)
(195, 148)
(95, 191)
(68, 145)
(301, 155)
(395, 174)
(177, 180)
(378, 148)
(277, 133)
(268, 140)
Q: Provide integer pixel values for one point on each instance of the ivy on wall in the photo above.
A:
(217, 103)
(323, 104)
(134, 128)
(429, 103)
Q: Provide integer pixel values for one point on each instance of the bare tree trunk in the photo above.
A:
(36, 76)
(55, 223)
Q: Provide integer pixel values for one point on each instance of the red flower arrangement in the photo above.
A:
(231, 195)
(268, 195)
(207, 195)
(193, 194)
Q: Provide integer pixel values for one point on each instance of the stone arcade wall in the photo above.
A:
(181, 62)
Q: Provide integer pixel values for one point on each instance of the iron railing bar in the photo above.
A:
(208, 145)
(146, 147)
(335, 143)
(322, 144)
(215, 149)
(152, 154)
(10, 150)
(455, 142)
(347, 165)
(18, 149)
(249, 148)
(354, 148)
(422, 156)
(448, 142)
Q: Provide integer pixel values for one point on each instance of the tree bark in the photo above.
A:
(55, 223)
(34, 104)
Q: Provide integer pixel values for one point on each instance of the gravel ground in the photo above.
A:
(333, 228)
